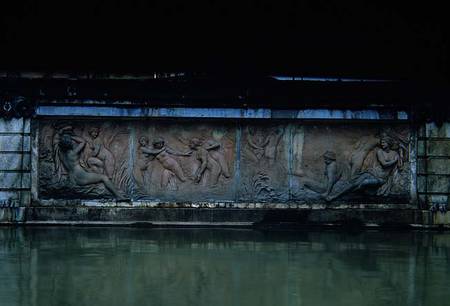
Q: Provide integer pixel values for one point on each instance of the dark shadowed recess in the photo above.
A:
(376, 39)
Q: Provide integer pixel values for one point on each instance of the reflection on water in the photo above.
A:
(126, 266)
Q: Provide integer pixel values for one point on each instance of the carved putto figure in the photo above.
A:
(99, 157)
(143, 160)
(214, 149)
(207, 163)
(163, 154)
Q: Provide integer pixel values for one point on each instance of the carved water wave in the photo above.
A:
(129, 266)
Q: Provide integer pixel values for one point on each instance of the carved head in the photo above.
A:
(143, 141)
(94, 132)
(329, 157)
(65, 143)
(158, 143)
(386, 142)
(195, 143)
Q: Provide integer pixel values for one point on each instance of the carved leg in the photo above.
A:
(214, 172)
(87, 178)
(109, 167)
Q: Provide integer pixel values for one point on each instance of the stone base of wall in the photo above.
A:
(264, 218)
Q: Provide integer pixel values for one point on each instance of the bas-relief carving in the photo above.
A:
(363, 165)
(186, 161)
(82, 160)
(264, 163)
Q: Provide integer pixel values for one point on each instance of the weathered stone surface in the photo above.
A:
(14, 125)
(14, 143)
(421, 148)
(438, 183)
(10, 215)
(264, 168)
(421, 183)
(438, 199)
(15, 161)
(439, 147)
(14, 198)
(432, 130)
(14, 180)
(209, 161)
(218, 216)
(441, 218)
(438, 166)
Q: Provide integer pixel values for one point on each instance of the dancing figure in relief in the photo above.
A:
(163, 154)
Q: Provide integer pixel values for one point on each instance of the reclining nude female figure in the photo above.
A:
(69, 154)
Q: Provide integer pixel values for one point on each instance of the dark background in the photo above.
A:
(376, 39)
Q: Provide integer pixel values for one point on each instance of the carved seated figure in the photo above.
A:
(99, 159)
(382, 174)
(331, 174)
(70, 148)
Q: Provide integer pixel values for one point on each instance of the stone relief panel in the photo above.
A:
(351, 164)
(84, 160)
(264, 163)
(185, 161)
(196, 161)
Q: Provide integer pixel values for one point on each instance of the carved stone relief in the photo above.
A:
(83, 160)
(188, 161)
(264, 163)
(351, 164)
(185, 162)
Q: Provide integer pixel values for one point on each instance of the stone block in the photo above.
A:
(421, 181)
(421, 148)
(438, 183)
(15, 161)
(438, 166)
(14, 143)
(439, 147)
(432, 130)
(14, 198)
(14, 125)
(438, 199)
(12, 214)
(442, 219)
(421, 165)
(15, 180)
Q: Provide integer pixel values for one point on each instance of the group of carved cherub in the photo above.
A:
(209, 162)
(382, 173)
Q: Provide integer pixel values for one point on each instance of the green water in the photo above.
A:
(125, 266)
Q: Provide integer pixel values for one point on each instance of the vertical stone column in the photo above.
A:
(434, 169)
(15, 166)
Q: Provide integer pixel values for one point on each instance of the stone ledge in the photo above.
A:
(371, 218)
(213, 204)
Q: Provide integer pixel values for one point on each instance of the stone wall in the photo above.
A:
(15, 162)
(257, 165)
(434, 165)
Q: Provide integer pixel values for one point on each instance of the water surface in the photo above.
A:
(130, 266)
